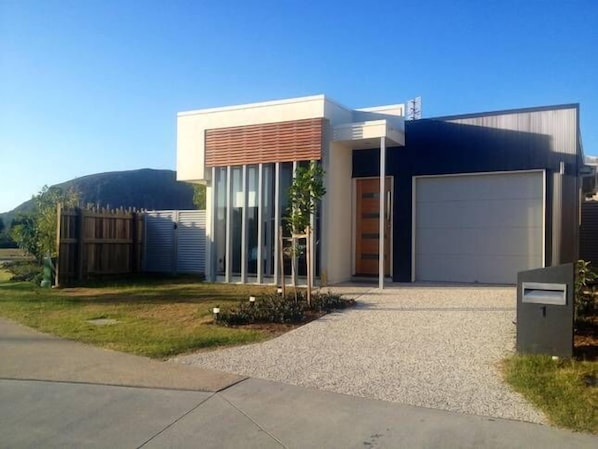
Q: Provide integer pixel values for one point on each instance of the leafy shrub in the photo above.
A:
(329, 301)
(274, 308)
(585, 293)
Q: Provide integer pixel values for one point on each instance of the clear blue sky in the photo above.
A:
(94, 85)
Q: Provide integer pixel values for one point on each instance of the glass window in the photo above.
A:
(268, 223)
(237, 199)
(240, 195)
(286, 179)
(220, 221)
(252, 219)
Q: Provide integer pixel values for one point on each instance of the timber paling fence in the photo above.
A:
(588, 233)
(98, 243)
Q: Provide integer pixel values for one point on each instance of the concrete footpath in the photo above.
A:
(74, 396)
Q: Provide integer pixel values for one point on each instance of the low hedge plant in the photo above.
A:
(275, 308)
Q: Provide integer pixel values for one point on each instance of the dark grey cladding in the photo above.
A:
(525, 139)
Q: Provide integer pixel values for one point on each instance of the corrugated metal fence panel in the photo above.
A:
(588, 238)
(191, 241)
(159, 241)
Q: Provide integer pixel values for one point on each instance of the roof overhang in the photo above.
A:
(363, 135)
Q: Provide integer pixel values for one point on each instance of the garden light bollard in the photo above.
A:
(279, 290)
(216, 311)
(252, 300)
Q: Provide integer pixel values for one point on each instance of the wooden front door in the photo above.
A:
(367, 235)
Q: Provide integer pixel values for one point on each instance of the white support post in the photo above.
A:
(276, 220)
(260, 218)
(227, 253)
(244, 227)
(382, 215)
(211, 247)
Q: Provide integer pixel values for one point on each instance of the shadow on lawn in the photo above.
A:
(169, 296)
(137, 291)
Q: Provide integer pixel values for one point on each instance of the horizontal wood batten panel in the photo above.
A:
(271, 142)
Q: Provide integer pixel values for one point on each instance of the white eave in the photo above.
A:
(362, 135)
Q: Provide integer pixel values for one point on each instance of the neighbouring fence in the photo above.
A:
(175, 241)
(94, 244)
(588, 235)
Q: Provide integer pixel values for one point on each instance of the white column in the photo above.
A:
(244, 227)
(260, 219)
(211, 211)
(227, 253)
(382, 215)
(276, 218)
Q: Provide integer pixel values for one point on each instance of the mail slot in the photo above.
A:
(545, 306)
(544, 293)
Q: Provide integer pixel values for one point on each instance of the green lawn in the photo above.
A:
(155, 317)
(557, 387)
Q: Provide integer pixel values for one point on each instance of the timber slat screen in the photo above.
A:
(588, 236)
(95, 244)
(297, 140)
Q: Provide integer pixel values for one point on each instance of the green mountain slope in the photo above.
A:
(141, 189)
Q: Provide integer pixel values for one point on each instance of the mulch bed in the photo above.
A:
(586, 339)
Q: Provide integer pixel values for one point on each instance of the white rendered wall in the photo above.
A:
(190, 162)
(336, 208)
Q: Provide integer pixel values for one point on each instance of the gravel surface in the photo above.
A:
(429, 346)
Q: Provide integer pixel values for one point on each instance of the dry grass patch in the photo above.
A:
(154, 317)
(13, 254)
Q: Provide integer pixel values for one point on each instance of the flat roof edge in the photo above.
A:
(259, 104)
(381, 108)
(555, 107)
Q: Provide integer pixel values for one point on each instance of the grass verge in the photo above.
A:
(154, 317)
(558, 388)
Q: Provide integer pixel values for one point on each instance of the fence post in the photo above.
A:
(80, 236)
(133, 247)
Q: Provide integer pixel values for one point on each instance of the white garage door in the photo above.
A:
(478, 228)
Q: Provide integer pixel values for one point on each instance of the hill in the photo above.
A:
(141, 189)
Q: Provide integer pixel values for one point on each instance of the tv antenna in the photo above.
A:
(414, 108)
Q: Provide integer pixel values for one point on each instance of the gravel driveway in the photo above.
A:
(430, 346)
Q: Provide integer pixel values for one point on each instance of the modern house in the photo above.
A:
(466, 198)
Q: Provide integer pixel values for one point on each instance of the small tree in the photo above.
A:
(35, 232)
(586, 300)
(199, 196)
(24, 232)
(305, 192)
